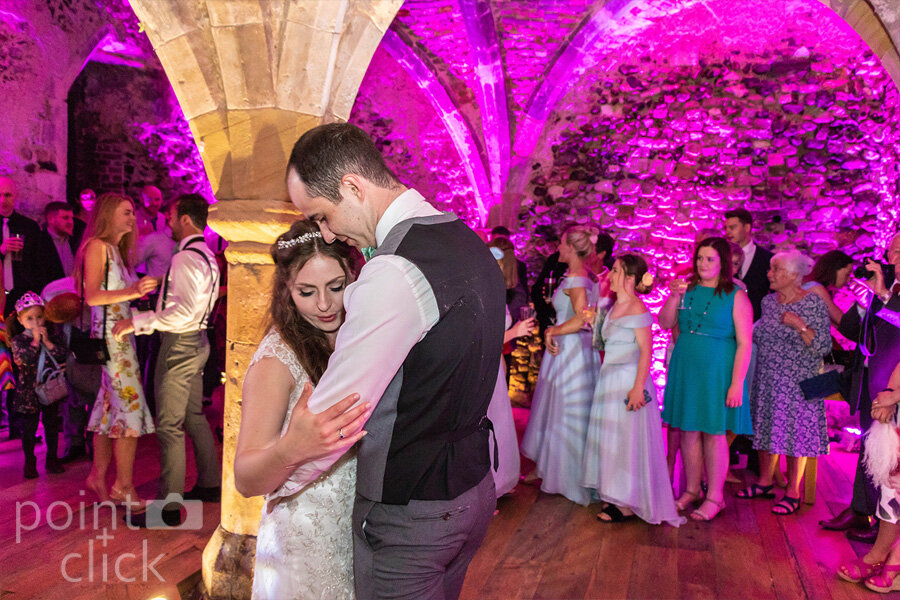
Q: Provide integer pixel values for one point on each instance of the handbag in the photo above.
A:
(51, 380)
(822, 385)
(89, 350)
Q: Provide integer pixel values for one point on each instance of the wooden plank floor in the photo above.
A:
(31, 563)
(542, 546)
(538, 546)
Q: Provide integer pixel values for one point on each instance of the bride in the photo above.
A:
(304, 548)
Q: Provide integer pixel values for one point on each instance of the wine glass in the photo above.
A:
(549, 288)
(589, 313)
(680, 287)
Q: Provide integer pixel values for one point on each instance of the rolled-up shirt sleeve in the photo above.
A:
(389, 309)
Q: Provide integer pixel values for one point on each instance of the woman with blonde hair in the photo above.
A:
(556, 434)
(104, 269)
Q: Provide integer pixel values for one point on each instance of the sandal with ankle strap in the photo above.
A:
(699, 515)
(686, 499)
(885, 581)
(756, 491)
(787, 506)
(614, 515)
(128, 498)
(859, 570)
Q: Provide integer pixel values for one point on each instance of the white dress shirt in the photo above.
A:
(389, 308)
(749, 253)
(193, 286)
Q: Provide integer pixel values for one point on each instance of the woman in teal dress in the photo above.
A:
(706, 382)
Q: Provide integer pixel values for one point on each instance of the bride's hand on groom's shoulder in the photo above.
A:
(310, 436)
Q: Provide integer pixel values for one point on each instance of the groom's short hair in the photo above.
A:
(324, 154)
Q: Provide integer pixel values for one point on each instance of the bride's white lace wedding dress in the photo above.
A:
(304, 548)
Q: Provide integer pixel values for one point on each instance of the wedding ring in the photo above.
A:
(341, 433)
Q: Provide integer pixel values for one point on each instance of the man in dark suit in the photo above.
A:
(877, 350)
(60, 219)
(738, 229)
(24, 249)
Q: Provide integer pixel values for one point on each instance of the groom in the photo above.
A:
(422, 342)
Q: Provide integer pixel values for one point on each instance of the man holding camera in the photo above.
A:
(189, 290)
(878, 346)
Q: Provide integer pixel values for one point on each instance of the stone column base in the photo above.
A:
(228, 566)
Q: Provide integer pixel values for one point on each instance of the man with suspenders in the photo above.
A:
(187, 294)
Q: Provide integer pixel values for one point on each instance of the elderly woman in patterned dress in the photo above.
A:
(793, 336)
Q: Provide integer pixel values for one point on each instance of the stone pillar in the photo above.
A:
(251, 76)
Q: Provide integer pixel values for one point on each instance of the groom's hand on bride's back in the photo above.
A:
(310, 436)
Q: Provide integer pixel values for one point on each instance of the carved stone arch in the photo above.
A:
(251, 76)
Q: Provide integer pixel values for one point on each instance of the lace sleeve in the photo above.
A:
(272, 346)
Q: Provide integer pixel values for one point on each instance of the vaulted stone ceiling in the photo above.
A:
(499, 73)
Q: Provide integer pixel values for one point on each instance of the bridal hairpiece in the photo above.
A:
(300, 239)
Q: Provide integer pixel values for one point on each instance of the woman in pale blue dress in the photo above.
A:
(557, 427)
(624, 459)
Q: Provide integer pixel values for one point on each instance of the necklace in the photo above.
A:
(690, 314)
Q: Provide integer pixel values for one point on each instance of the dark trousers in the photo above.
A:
(49, 416)
(420, 550)
(15, 418)
(865, 493)
(75, 416)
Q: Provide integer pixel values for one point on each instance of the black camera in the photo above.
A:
(863, 272)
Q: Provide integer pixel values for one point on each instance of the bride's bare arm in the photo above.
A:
(264, 459)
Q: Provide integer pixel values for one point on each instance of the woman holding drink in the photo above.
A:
(706, 381)
(555, 436)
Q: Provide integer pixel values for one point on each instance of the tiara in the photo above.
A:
(300, 239)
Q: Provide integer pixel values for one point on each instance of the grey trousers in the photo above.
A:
(179, 408)
(421, 550)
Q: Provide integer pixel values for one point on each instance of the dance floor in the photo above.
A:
(538, 546)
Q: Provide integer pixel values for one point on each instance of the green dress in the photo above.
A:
(700, 370)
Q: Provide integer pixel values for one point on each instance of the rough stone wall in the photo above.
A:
(655, 149)
(105, 105)
(45, 45)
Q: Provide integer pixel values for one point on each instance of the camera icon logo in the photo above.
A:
(166, 513)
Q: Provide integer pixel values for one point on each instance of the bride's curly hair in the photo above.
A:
(306, 340)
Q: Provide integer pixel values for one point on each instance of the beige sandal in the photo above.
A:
(699, 515)
(686, 499)
(128, 498)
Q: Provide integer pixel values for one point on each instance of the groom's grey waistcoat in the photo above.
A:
(427, 438)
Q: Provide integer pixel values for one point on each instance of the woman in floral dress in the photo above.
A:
(120, 414)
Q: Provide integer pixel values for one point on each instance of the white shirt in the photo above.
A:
(749, 253)
(192, 290)
(389, 308)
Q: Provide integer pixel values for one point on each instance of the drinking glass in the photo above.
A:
(17, 255)
(682, 285)
(549, 288)
(526, 312)
(589, 312)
